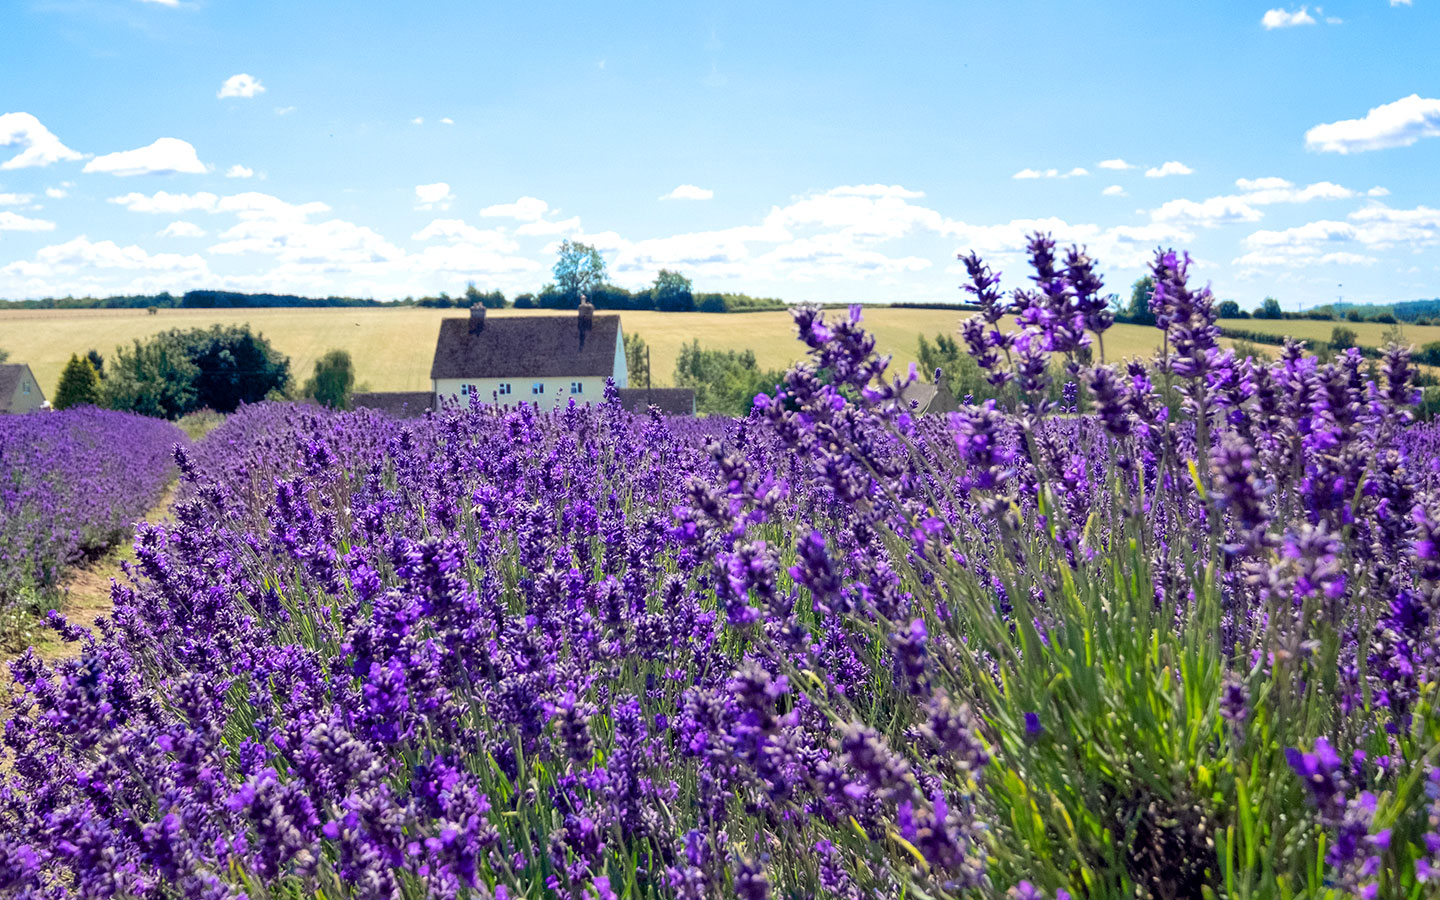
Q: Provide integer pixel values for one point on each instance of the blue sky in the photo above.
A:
(812, 151)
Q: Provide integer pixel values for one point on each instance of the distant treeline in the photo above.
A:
(603, 297)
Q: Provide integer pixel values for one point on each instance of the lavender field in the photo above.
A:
(70, 485)
(1178, 645)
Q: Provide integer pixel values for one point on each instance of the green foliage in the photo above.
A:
(1244, 348)
(333, 380)
(1138, 311)
(96, 360)
(1227, 309)
(4, 354)
(155, 378)
(79, 384)
(1342, 338)
(672, 292)
(725, 381)
(525, 301)
(579, 269)
(488, 299)
(1269, 309)
(178, 371)
(964, 377)
(637, 361)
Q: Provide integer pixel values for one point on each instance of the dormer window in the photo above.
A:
(537, 388)
(576, 387)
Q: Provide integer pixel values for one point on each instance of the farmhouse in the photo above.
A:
(19, 392)
(544, 359)
(515, 359)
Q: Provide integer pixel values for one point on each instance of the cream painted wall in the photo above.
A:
(557, 391)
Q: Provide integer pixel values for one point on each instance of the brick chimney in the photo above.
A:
(586, 316)
(477, 319)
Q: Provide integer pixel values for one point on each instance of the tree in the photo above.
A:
(637, 360)
(1138, 312)
(97, 361)
(1269, 309)
(1342, 338)
(672, 292)
(154, 379)
(725, 381)
(4, 354)
(475, 297)
(234, 365)
(79, 385)
(579, 269)
(333, 380)
(1227, 309)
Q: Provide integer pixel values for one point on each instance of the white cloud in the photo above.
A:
(1378, 191)
(38, 147)
(1397, 124)
(1114, 190)
(1279, 18)
(173, 4)
(252, 205)
(165, 156)
(82, 253)
(430, 196)
(56, 193)
(1025, 174)
(239, 171)
(335, 244)
(166, 202)
(15, 199)
(545, 228)
(418, 120)
(526, 209)
(241, 85)
(182, 230)
(864, 214)
(457, 231)
(1076, 172)
(284, 110)
(1208, 213)
(1399, 2)
(1169, 168)
(1119, 164)
(447, 121)
(689, 192)
(10, 221)
(1372, 229)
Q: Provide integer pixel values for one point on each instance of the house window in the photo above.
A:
(537, 388)
(25, 388)
(503, 389)
(576, 387)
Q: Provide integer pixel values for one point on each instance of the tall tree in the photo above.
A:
(637, 361)
(578, 270)
(234, 365)
(333, 380)
(672, 292)
(79, 385)
(96, 360)
(1269, 309)
(725, 381)
(1138, 311)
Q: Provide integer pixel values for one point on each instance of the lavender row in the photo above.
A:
(71, 483)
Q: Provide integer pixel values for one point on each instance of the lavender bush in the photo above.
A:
(832, 650)
(70, 485)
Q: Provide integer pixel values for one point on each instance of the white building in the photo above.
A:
(545, 359)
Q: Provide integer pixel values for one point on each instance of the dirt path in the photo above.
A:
(87, 587)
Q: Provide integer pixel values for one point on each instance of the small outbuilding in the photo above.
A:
(397, 404)
(670, 401)
(19, 391)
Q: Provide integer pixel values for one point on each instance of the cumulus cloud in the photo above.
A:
(56, 193)
(418, 120)
(166, 202)
(526, 209)
(1397, 124)
(284, 110)
(1207, 213)
(81, 254)
(182, 230)
(458, 231)
(241, 85)
(38, 147)
(447, 121)
(689, 192)
(1114, 190)
(1118, 164)
(165, 156)
(15, 199)
(239, 171)
(1279, 18)
(546, 228)
(10, 221)
(1370, 230)
(1170, 168)
(1025, 174)
(173, 4)
(430, 196)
